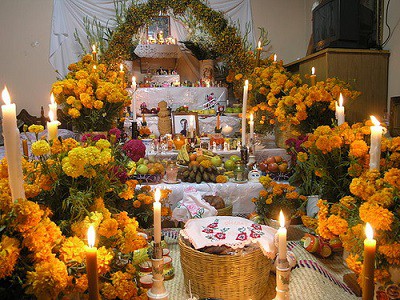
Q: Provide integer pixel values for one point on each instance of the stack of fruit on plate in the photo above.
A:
(276, 166)
(202, 168)
(149, 171)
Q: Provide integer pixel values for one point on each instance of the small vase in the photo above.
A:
(312, 208)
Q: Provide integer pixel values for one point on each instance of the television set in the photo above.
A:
(345, 24)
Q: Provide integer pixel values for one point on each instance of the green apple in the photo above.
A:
(234, 158)
(229, 110)
(229, 165)
(216, 161)
(142, 169)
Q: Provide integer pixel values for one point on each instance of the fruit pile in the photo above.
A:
(202, 168)
(273, 164)
(145, 166)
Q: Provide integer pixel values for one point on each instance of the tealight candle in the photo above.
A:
(12, 147)
(375, 148)
(369, 264)
(313, 77)
(244, 109)
(340, 110)
(157, 216)
(226, 130)
(91, 266)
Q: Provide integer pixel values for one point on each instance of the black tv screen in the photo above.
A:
(344, 24)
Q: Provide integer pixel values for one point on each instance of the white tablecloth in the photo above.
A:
(239, 195)
(193, 97)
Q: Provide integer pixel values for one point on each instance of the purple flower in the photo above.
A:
(134, 149)
(92, 137)
(120, 173)
(115, 131)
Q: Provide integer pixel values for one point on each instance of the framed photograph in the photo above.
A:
(182, 121)
(158, 24)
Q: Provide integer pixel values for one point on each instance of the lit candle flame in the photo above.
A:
(259, 45)
(94, 67)
(91, 236)
(157, 195)
(274, 57)
(246, 83)
(52, 98)
(121, 67)
(6, 96)
(94, 48)
(281, 219)
(133, 79)
(375, 121)
(51, 116)
(341, 100)
(369, 232)
(312, 71)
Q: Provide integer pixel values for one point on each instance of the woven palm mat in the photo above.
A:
(312, 278)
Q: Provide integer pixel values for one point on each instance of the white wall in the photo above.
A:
(24, 50)
(28, 74)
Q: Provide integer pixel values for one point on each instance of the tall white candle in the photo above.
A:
(133, 87)
(313, 77)
(12, 147)
(244, 109)
(53, 106)
(282, 232)
(340, 110)
(52, 127)
(375, 148)
(251, 127)
(157, 216)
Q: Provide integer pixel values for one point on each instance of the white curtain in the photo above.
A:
(68, 17)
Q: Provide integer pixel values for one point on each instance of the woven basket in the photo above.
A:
(226, 211)
(229, 277)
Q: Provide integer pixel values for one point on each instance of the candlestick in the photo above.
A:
(122, 74)
(12, 147)
(244, 109)
(251, 122)
(133, 87)
(282, 232)
(52, 127)
(258, 53)
(53, 106)
(94, 53)
(91, 266)
(340, 110)
(375, 148)
(369, 264)
(157, 216)
(313, 77)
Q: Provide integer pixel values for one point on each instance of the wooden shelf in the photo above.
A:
(365, 70)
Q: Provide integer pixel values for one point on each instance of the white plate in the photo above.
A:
(171, 182)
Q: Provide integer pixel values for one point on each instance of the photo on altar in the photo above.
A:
(184, 123)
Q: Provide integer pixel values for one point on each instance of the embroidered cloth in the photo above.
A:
(233, 232)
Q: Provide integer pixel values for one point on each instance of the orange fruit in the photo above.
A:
(193, 156)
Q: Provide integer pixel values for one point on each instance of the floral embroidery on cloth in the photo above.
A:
(233, 232)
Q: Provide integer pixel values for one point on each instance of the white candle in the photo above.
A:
(244, 109)
(313, 77)
(251, 127)
(133, 87)
(94, 52)
(157, 216)
(282, 232)
(52, 127)
(12, 147)
(274, 59)
(375, 148)
(53, 106)
(340, 110)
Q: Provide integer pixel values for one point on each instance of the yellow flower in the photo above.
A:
(103, 144)
(9, 253)
(40, 147)
(35, 128)
(380, 218)
(72, 249)
(302, 156)
(108, 228)
(104, 258)
(74, 113)
(238, 76)
(391, 252)
(337, 225)
(98, 104)
(358, 148)
(393, 177)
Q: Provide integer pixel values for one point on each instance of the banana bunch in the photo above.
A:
(208, 154)
(183, 156)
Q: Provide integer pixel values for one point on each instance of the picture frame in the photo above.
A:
(159, 23)
(181, 122)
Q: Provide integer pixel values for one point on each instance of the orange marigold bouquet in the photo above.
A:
(276, 197)
(92, 94)
(374, 199)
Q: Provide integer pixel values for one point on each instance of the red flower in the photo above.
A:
(220, 235)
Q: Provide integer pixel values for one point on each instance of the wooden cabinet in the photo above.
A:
(365, 70)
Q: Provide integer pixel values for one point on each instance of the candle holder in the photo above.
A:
(282, 279)
(157, 290)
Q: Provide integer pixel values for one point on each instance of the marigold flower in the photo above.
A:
(108, 228)
(9, 253)
(36, 128)
(72, 249)
(40, 148)
(380, 218)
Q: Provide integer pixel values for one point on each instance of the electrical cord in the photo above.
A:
(387, 25)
